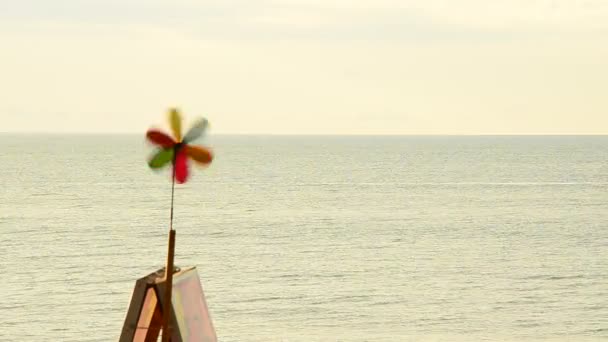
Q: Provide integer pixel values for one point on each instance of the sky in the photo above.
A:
(306, 67)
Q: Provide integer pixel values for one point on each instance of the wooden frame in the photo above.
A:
(190, 319)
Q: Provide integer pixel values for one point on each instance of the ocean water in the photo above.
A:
(314, 238)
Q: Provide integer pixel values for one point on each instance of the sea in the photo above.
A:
(313, 238)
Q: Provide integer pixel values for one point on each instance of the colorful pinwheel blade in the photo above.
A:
(175, 120)
(199, 154)
(196, 131)
(181, 166)
(161, 158)
(159, 138)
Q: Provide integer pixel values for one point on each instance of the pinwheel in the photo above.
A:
(177, 150)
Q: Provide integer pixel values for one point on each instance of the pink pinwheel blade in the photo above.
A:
(181, 166)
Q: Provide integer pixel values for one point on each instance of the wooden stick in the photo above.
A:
(169, 268)
(168, 288)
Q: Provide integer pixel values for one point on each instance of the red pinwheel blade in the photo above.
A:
(159, 138)
(181, 166)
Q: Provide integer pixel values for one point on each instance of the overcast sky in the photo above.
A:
(306, 67)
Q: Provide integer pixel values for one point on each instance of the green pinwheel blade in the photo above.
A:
(161, 158)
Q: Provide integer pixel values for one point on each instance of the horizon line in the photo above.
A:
(321, 134)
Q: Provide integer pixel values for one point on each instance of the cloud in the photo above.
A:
(286, 65)
(527, 15)
(322, 20)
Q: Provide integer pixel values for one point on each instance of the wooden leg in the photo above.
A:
(168, 288)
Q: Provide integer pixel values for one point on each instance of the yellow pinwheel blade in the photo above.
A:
(175, 120)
